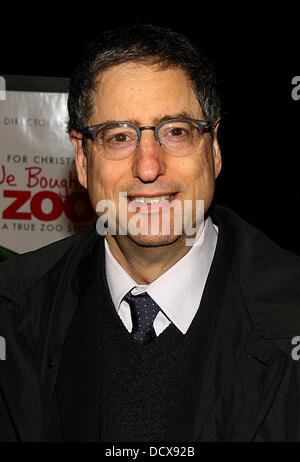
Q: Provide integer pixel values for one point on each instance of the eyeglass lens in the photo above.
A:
(118, 140)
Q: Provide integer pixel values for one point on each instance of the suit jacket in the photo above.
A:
(241, 381)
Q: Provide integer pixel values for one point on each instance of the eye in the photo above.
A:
(120, 138)
(113, 136)
(176, 132)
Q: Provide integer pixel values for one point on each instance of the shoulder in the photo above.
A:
(21, 272)
(269, 277)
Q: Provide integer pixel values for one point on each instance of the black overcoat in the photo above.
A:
(241, 381)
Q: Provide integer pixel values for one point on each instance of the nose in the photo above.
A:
(148, 161)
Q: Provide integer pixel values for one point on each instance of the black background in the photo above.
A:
(256, 54)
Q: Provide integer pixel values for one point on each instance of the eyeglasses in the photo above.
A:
(118, 140)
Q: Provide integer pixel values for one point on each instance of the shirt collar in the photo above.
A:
(178, 291)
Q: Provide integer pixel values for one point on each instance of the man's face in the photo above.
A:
(144, 94)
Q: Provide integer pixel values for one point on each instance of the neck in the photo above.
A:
(144, 263)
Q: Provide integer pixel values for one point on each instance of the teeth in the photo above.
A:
(151, 200)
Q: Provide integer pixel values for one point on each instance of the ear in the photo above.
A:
(216, 149)
(80, 157)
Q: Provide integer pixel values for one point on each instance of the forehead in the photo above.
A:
(144, 93)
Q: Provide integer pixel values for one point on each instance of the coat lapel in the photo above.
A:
(78, 388)
(231, 377)
(246, 397)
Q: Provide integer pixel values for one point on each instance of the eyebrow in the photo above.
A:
(180, 115)
(156, 120)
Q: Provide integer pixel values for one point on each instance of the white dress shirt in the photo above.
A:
(178, 291)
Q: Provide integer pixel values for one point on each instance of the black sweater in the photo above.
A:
(140, 382)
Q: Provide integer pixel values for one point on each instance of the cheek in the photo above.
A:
(103, 180)
(95, 180)
(202, 175)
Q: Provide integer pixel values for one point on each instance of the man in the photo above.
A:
(139, 335)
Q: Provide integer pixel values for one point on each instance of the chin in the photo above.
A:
(154, 240)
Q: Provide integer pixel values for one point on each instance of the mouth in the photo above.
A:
(153, 200)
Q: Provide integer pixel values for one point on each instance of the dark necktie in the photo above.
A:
(143, 312)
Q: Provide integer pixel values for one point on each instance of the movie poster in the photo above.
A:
(41, 199)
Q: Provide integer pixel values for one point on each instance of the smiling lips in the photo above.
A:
(151, 203)
(152, 199)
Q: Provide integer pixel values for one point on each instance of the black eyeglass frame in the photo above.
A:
(92, 129)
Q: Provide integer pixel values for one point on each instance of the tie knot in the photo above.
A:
(143, 311)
